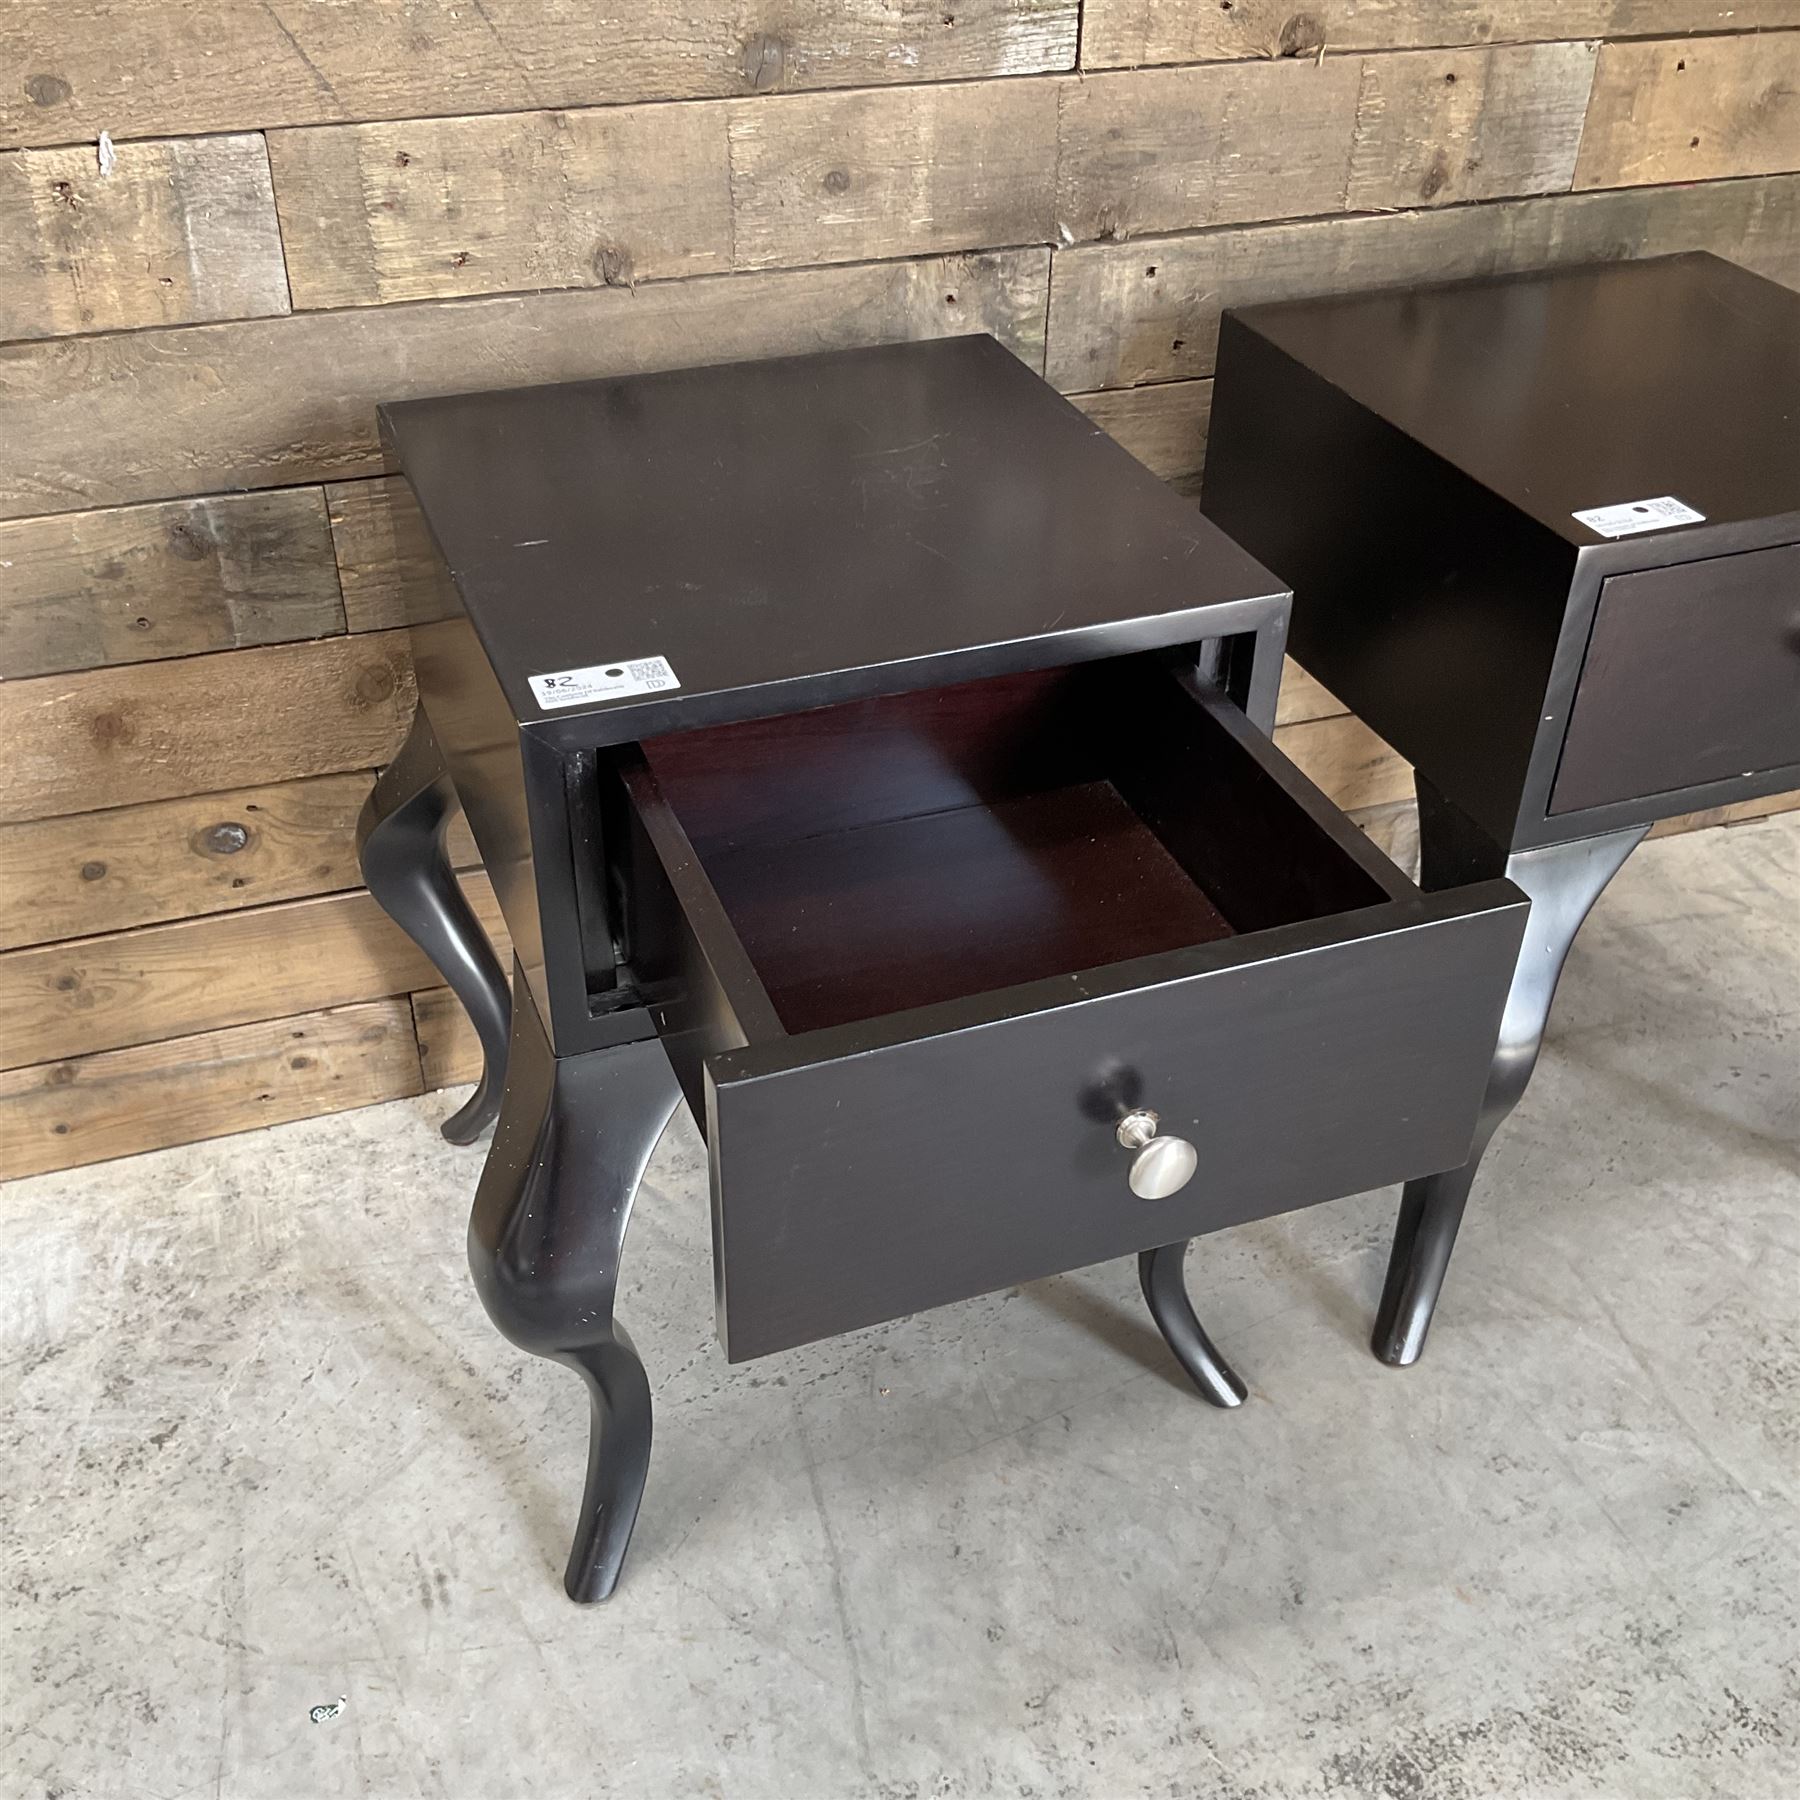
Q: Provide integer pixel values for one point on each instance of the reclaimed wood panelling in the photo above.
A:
(1354, 767)
(63, 1115)
(154, 731)
(170, 233)
(382, 544)
(140, 68)
(94, 872)
(167, 981)
(1222, 143)
(449, 1050)
(1739, 812)
(1303, 698)
(429, 208)
(135, 583)
(1693, 109)
(1438, 126)
(150, 415)
(1163, 426)
(902, 172)
(1127, 33)
(1122, 314)
(1172, 149)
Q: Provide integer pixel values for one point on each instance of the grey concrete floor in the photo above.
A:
(261, 1450)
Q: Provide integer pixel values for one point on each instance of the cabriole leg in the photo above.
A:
(1563, 882)
(574, 1137)
(1165, 1293)
(400, 844)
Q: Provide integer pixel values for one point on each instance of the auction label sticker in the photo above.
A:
(603, 681)
(1638, 515)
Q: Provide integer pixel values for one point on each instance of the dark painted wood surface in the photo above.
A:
(1303, 1063)
(1578, 388)
(908, 1034)
(1410, 461)
(1692, 674)
(804, 530)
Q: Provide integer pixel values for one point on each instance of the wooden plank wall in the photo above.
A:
(199, 563)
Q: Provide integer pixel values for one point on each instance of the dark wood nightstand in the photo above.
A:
(1544, 536)
(868, 749)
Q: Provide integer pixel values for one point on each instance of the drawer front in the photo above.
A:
(1304, 1063)
(1692, 675)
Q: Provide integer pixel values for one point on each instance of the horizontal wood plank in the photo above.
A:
(64, 1115)
(166, 981)
(1176, 149)
(172, 232)
(903, 172)
(154, 414)
(1303, 698)
(382, 545)
(449, 1050)
(1353, 767)
(96, 872)
(136, 583)
(1693, 109)
(427, 208)
(141, 68)
(1739, 812)
(1128, 33)
(154, 731)
(1225, 143)
(1439, 126)
(1124, 314)
(1163, 426)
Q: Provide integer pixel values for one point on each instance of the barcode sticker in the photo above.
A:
(1638, 515)
(603, 681)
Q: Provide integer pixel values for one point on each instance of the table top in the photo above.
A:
(799, 531)
(1574, 389)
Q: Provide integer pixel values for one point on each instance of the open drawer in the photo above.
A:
(914, 957)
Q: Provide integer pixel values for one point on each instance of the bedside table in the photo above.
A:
(866, 748)
(1544, 535)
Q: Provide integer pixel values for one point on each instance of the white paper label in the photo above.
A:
(603, 681)
(1638, 515)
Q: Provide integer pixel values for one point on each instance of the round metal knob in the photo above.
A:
(1162, 1165)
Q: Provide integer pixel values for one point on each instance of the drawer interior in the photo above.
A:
(914, 849)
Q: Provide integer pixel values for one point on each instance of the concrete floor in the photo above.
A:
(261, 1450)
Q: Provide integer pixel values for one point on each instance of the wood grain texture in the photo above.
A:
(1438, 126)
(1347, 760)
(1174, 149)
(1693, 109)
(449, 1051)
(153, 731)
(1163, 426)
(1124, 314)
(382, 543)
(63, 1115)
(140, 68)
(1127, 33)
(95, 872)
(1303, 698)
(136, 583)
(166, 981)
(1739, 812)
(428, 208)
(150, 415)
(901, 172)
(174, 232)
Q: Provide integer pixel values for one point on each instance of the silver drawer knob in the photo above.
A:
(1162, 1165)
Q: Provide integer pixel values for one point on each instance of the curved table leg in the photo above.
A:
(1563, 881)
(545, 1237)
(400, 845)
(1165, 1293)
